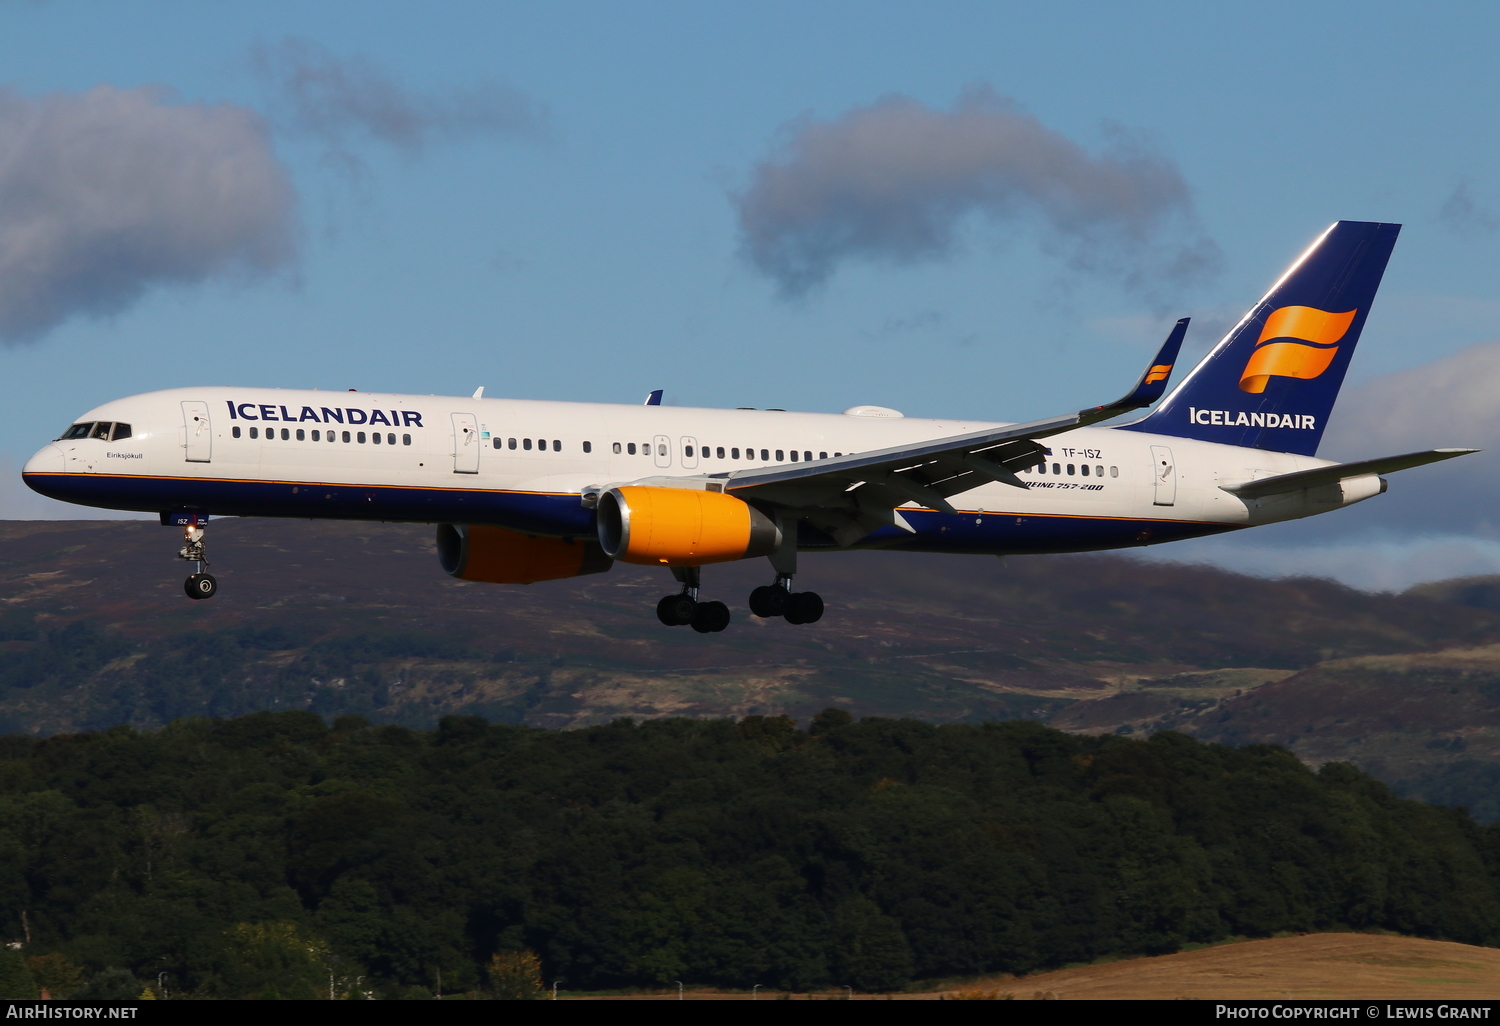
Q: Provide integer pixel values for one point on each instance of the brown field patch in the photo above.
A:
(1337, 966)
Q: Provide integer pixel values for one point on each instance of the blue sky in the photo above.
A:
(563, 217)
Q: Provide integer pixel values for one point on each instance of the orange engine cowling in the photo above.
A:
(682, 527)
(481, 552)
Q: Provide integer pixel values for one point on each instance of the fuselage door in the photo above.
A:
(197, 433)
(661, 449)
(1165, 469)
(465, 443)
(689, 453)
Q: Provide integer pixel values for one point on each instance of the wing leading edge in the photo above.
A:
(851, 496)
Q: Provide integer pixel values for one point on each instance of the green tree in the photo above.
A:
(16, 982)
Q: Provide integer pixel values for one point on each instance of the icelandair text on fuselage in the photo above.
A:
(1229, 418)
(51, 1011)
(266, 411)
(1351, 1012)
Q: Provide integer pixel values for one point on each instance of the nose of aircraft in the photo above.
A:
(48, 460)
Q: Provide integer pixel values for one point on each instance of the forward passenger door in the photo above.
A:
(197, 433)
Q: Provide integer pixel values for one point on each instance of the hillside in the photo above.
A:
(358, 619)
(351, 618)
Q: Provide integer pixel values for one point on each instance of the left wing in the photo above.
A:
(851, 496)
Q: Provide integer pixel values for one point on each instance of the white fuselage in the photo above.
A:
(524, 463)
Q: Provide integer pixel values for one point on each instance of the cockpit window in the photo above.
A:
(101, 430)
(121, 431)
(77, 431)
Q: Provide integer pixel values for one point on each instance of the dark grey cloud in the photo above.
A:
(316, 93)
(1465, 215)
(895, 180)
(107, 193)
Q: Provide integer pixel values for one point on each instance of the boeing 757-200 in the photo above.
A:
(524, 491)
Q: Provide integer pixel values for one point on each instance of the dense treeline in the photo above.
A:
(272, 855)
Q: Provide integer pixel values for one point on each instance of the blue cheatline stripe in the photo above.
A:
(560, 514)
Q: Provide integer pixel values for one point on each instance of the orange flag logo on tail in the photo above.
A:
(1157, 373)
(1316, 332)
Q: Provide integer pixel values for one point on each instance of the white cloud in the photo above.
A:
(1371, 565)
(107, 193)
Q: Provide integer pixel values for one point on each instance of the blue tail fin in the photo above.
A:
(1271, 382)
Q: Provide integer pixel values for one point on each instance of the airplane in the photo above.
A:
(524, 491)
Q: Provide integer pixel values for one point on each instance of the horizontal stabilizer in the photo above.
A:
(1339, 472)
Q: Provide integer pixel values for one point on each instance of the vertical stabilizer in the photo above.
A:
(1271, 382)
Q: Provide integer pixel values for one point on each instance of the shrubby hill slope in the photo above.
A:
(259, 856)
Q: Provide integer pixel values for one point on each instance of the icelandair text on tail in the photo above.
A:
(1229, 418)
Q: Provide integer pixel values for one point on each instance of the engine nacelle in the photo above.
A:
(481, 552)
(682, 527)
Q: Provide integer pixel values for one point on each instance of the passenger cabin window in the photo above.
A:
(510, 443)
(588, 446)
(375, 437)
(630, 448)
(405, 439)
(616, 448)
(1098, 471)
(254, 433)
(557, 445)
(794, 455)
(822, 455)
(235, 431)
(346, 437)
(317, 436)
(301, 435)
(765, 455)
(1114, 471)
(720, 452)
(779, 458)
(499, 442)
(526, 444)
(1085, 469)
(734, 454)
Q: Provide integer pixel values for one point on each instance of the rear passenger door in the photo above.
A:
(1165, 469)
(465, 443)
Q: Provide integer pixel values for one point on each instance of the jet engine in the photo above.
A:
(481, 552)
(682, 527)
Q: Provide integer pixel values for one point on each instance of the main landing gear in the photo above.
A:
(780, 600)
(684, 609)
(200, 585)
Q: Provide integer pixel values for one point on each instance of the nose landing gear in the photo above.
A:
(684, 609)
(200, 585)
